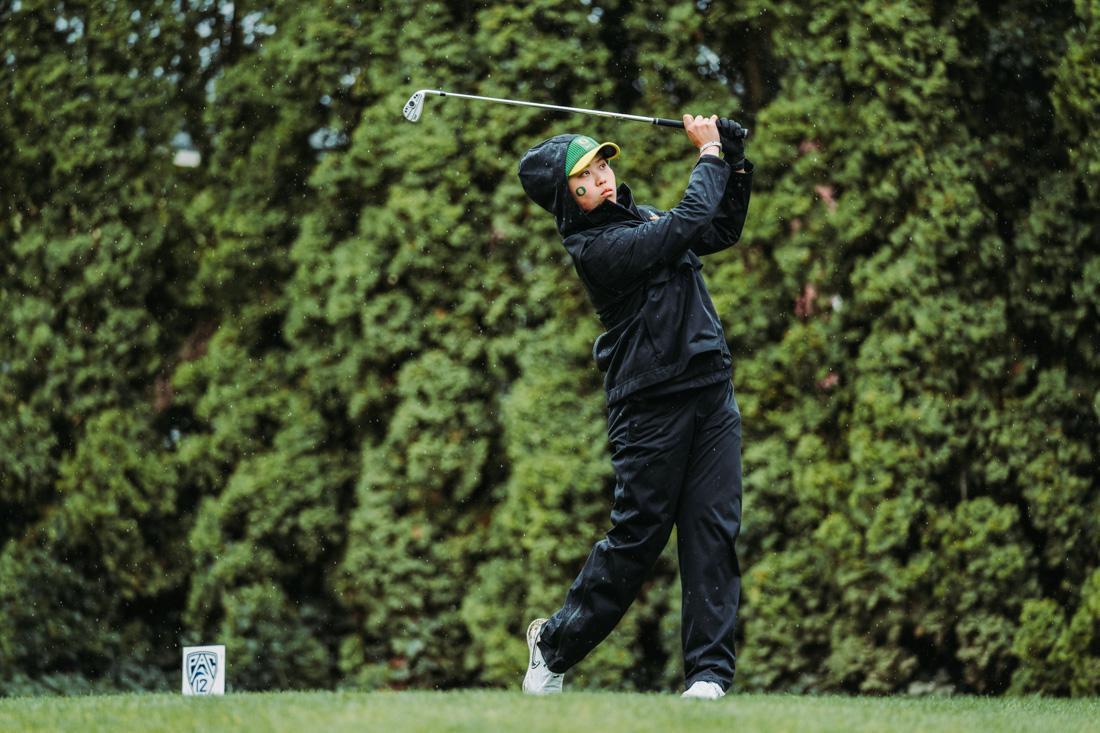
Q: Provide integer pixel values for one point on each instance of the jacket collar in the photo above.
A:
(610, 212)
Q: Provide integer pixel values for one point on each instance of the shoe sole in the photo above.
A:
(532, 637)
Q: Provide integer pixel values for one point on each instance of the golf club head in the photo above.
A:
(414, 107)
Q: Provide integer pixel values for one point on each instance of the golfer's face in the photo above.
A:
(592, 186)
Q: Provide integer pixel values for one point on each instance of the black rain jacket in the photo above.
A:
(641, 266)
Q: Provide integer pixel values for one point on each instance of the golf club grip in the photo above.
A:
(663, 122)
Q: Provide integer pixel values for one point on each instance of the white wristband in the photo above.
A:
(711, 144)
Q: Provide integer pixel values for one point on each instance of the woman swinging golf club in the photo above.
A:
(673, 422)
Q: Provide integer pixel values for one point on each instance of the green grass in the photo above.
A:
(511, 711)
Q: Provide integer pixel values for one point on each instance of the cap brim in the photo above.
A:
(588, 157)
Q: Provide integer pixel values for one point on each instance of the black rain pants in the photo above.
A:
(677, 461)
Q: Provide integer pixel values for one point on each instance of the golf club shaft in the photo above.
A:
(617, 115)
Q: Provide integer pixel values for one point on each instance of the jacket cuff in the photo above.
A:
(745, 162)
(709, 160)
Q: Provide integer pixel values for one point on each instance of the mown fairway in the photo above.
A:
(490, 711)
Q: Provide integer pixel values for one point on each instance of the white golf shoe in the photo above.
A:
(704, 690)
(539, 680)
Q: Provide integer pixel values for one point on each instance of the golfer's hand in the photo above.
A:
(733, 140)
(702, 130)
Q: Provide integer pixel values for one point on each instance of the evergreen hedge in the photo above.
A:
(328, 397)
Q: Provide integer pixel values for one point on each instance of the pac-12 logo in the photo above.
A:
(202, 670)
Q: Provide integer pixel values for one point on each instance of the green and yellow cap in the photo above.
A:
(582, 149)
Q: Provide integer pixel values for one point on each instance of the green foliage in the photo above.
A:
(1054, 650)
(328, 397)
(77, 585)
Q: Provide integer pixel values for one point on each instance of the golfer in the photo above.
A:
(673, 423)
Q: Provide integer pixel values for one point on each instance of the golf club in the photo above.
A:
(415, 106)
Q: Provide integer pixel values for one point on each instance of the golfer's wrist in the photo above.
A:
(713, 147)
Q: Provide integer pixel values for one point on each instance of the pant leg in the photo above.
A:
(707, 524)
(650, 442)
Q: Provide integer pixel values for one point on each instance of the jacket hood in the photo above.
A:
(542, 173)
